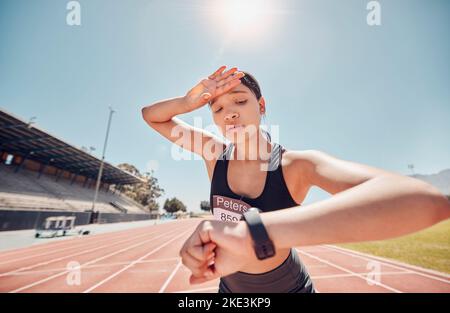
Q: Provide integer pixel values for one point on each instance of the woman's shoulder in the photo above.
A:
(300, 158)
(302, 164)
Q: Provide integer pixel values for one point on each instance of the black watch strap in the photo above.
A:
(264, 247)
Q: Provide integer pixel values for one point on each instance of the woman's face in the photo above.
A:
(238, 113)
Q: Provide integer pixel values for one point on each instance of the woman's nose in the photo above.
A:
(231, 116)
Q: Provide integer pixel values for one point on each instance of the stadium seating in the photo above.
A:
(24, 190)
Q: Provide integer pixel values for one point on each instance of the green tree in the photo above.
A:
(145, 193)
(174, 205)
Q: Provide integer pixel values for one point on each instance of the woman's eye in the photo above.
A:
(241, 102)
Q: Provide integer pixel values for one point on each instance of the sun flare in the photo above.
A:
(242, 19)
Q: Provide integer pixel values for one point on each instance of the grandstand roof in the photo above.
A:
(22, 138)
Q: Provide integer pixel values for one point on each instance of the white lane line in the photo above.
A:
(82, 240)
(57, 269)
(50, 250)
(198, 290)
(387, 262)
(318, 266)
(55, 251)
(88, 263)
(71, 255)
(37, 247)
(100, 236)
(352, 275)
(168, 280)
(349, 271)
(134, 262)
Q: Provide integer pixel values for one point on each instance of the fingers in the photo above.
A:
(217, 72)
(223, 83)
(226, 74)
(202, 253)
(197, 267)
(198, 258)
(227, 87)
(218, 76)
(201, 279)
(199, 253)
(209, 249)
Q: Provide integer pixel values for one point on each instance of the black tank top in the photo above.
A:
(229, 206)
(291, 275)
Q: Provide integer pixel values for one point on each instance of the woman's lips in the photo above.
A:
(233, 128)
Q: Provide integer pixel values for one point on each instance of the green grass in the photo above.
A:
(429, 248)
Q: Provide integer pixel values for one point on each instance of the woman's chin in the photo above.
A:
(240, 138)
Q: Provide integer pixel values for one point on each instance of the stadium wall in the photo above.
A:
(22, 219)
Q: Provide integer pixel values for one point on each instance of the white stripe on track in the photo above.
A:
(349, 271)
(169, 279)
(134, 262)
(88, 263)
(388, 263)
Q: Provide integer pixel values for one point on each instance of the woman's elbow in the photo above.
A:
(145, 113)
(443, 210)
(440, 205)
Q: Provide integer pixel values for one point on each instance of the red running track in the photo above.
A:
(146, 260)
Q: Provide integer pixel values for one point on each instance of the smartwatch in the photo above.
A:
(262, 244)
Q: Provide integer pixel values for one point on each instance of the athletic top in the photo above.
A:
(229, 206)
(291, 275)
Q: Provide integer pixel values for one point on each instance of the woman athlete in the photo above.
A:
(367, 203)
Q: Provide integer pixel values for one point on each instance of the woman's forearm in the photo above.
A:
(164, 110)
(380, 208)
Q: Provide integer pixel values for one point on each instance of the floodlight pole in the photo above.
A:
(100, 171)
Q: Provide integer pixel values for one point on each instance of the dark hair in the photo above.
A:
(251, 83)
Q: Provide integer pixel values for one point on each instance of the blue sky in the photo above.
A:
(372, 94)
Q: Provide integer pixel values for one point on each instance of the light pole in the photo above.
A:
(100, 171)
(411, 167)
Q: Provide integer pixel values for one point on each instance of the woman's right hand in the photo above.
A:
(216, 249)
(214, 86)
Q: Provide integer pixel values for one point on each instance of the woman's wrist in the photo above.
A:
(280, 231)
(247, 240)
(187, 105)
(164, 110)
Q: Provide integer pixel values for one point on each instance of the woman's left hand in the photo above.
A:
(217, 249)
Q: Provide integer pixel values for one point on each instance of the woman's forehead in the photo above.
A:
(240, 89)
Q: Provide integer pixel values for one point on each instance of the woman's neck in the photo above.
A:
(256, 148)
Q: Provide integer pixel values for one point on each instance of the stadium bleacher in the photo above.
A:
(23, 190)
(40, 172)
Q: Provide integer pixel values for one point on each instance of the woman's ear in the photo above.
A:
(262, 105)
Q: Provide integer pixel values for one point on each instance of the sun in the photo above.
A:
(241, 19)
(238, 14)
